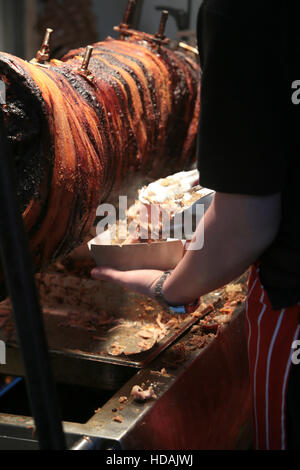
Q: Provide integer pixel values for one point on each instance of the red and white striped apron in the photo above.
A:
(270, 337)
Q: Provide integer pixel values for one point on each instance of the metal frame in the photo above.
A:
(202, 402)
(19, 276)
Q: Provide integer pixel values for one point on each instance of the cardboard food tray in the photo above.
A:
(162, 255)
(171, 196)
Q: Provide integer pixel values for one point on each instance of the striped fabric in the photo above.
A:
(270, 337)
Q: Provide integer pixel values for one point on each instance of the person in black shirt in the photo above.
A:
(249, 153)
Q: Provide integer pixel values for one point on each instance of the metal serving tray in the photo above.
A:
(83, 318)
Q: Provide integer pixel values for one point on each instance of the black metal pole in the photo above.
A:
(19, 278)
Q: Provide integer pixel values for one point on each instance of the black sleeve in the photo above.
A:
(242, 138)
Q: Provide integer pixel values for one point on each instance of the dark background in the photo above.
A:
(79, 22)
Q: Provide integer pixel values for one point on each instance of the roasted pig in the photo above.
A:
(76, 135)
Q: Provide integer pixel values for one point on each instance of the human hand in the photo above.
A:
(141, 281)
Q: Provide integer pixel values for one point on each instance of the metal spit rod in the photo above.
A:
(19, 277)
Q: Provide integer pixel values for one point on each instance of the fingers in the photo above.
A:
(108, 274)
(138, 280)
(127, 279)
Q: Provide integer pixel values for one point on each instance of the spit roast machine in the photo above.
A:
(99, 342)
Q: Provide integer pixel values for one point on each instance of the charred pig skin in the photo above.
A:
(76, 138)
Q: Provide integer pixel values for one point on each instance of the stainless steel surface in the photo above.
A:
(83, 319)
(202, 389)
(203, 402)
(87, 443)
